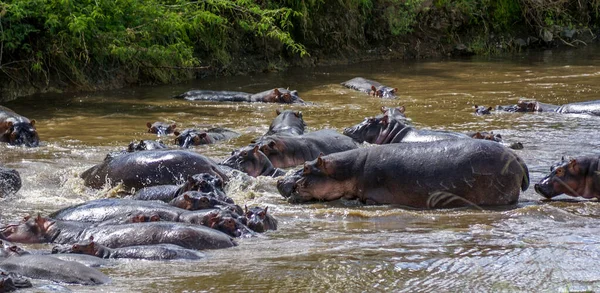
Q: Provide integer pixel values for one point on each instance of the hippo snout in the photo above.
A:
(286, 186)
(543, 190)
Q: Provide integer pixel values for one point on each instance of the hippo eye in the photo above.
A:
(244, 153)
(75, 246)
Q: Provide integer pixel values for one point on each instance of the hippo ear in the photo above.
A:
(26, 218)
(32, 122)
(401, 109)
(196, 138)
(186, 197)
(173, 126)
(385, 119)
(276, 91)
(278, 111)
(9, 124)
(475, 106)
(202, 135)
(298, 114)
(573, 166)
(395, 90)
(176, 133)
(148, 124)
(374, 90)
(306, 170)
(266, 209)
(245, 209)
(255, 149)
(322, 165)
(489, 108)
(383, 109)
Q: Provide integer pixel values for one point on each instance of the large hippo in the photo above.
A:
(284, 150)
(576, 177)
(161, 128)
(149, 168)
(10, 181)
(53, 269)
(252, 161)
(16, 129)
(589, 107)
(287, 121)
(277, 95)
(148, 252)
(371, 87)
(44, 230)
(100, 210)
(191, 136)
(439, 174)
(387, 129)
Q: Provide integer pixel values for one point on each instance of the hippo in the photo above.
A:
(53, 269)
(147, 252)
(10, 181)
(226, 221)
(196, 200)
(524, 106)
(199, 182)
(253, 162)
(197, 137)
(9, 250)
(150, 168)
(161, 128)
(44, 230)
(387, 129)
(578, 177)
(277, 95)
(16, 129)
(145, 145)
(497, 138)
(284, 150)
(438, 174)
(132, 217)
(288, 121)
(100, 210)
(371, 87)
(589, 107)
(258, 220)
(10, 282)
(482, 110)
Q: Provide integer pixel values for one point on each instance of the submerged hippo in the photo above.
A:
(148, 252)
(10, 181)
(589, 107)
(161, 128)
(145, 145)
(576, 177)
(44, 230)
(16, 129)
(387, 129)
(287, 121)
(191, 136)
(10, 282)
(200, 182)
(258, 220)
(439, 174)
(284, 150)
(482, 110)
(277, 95)
(53, 269)
(149, 168)
(100, 210)
(371, 87)
(252, 161)
(495, 137)
(524, 106)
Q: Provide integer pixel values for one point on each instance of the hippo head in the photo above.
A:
(258, 220)
(394, 112)
(22, 133)
(273, 149)
(202, 182)
(193, 201)
(161, 128)
(8, 249)
(10, 282)
(141, 217)
(368, 130)
(317, 180)
(527, 106)
(30, 230)
(249, 160)
(481, 110)
(565, 177)
(88, 247)
(187, 137)
(283, 96)
(487, 136)
(226, 224)
(383, 92)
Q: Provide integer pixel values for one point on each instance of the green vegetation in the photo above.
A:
(85, 43)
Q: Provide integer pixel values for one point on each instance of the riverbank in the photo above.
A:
(99, 46)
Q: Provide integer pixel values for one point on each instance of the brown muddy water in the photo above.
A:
(343, 246)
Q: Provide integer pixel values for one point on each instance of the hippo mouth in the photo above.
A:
(543, 191)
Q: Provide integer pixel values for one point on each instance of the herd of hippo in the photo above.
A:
(176, 203)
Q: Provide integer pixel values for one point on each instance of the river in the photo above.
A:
(343, 246)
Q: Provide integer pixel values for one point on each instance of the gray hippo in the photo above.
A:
(161, 128)
(287, 121)
(53, 269)
(16, 129)
(189, 137)
(10, 181)
(589, 107)
(371, 87)
(252, 161)
(439, 174)
(579, 177)
(149, 168)
(284, 150)
(277, 95)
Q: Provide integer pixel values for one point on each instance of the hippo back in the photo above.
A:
(589, 107)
